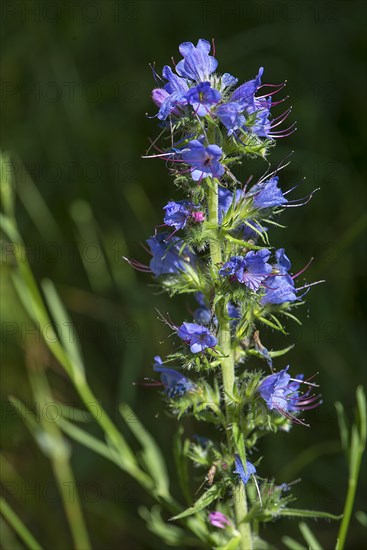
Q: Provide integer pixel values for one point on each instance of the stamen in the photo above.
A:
(285, 130)
(159, 80)
(304, 268)
(280, 87)
(274, 103)
(257, 489)
(292, 418)
(152, 383)
(311, 284)
(137, 265)
(279, 119)
(279, 136)
(167, 321)
(305, 382)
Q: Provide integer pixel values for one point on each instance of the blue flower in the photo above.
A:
(198, 337)
(196, 64)
(267, 194)
(175, 83)
(175, 383)
(262, 125)
(240, 470)
(283, 262)
(250, 269)
(280, 289)
(202, 97)
(227, 81)
(203, 160)
(230, 115)
(281, 393)
(167, 256)
(245, 94)
(172, 95)
(274, 390)
(177, 213)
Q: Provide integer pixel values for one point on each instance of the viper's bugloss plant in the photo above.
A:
(215, 247)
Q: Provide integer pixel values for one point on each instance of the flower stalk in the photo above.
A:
(227, 364)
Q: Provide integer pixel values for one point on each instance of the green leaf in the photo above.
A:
(276, 353)
(74, 414)
(18, 526)
(245, 244)
(309, 537)
(6, 184)
(292, 544)
(361, 517)
(172, 535)
(89, 441)
(67, 334)
(50, 445)
(180, 450)
(26, 414)
(152, 456)
(239, 442)
(343, 426)
(297, 513)
(362, 413)
(270, 324)
(203, 502)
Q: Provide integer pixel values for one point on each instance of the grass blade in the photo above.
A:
(18, 526)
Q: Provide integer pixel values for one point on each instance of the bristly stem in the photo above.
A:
(227, 362)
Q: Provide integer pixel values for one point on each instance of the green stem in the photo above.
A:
(349, 501)
(227, 364)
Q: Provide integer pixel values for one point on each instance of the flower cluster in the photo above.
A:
(195, 89)
(214, 248)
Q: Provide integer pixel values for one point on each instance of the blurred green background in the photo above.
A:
(75, 90)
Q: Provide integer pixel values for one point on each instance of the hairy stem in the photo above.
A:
(227, 364)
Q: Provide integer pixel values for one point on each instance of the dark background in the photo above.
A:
(75, 90)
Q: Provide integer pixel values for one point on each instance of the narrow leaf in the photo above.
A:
(309, 536)
(67, 334)
(361, 404)
(153, 458)
(343, 426)
(18, 526)
(89, 441)
(180, 449)
(294, 512)
(203, 502)
(292, 544)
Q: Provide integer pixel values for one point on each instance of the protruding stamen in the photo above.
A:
(304, 268)
(213, 46)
